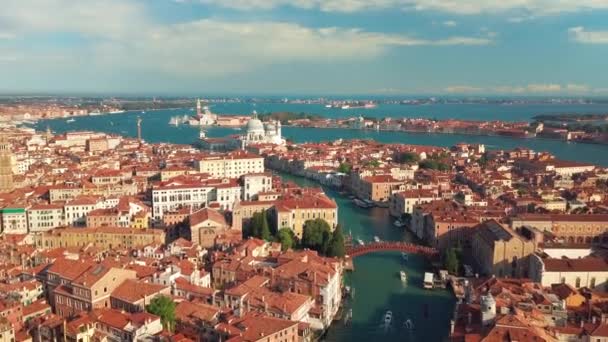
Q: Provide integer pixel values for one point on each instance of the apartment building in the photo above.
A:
(294, 212)
(254, 183)
(403, 202)
(14, 220)
(44, 217)
(231, 165)
(102, 237)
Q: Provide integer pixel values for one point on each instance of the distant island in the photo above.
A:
(570, 117)
(286, 117)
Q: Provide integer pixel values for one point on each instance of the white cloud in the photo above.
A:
(225, 46)
(461, 89)
(581, 35)
(577, 88)
(108, 18)
(7, 35)
(120, 33)
(464, 7)
(544, 88)
(535, 88)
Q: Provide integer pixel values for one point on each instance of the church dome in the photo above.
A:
(255, 126)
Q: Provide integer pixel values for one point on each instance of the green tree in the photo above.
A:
(451, 261)
(336, 246)
(287, 238)
(345, 168)
(164, 307)
(259, 226)
(265, 228)
(433, 165)
(407, 157)
(316, 235)
(373, 163)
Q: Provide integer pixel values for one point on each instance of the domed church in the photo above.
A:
(262, 133)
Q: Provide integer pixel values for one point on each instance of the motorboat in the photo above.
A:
(377, 239)
(398, 224)
(403, 276)
(360, 203)
(388, 317)
(70, 120)
(404, 256)
(360, 242)
(408, 324)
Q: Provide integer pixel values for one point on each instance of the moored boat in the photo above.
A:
(388, 317)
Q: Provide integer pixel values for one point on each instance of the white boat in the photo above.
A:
(398, 224)
(361, 204)
(345, 107)
(70, 120)
(175, 121)
(328, 106)
(428, 280)
(94, 113)
(404, 256)
(403, 276)
(360, 242)
(117, 111)
(408, 324)
(377, 239)
(388, 317)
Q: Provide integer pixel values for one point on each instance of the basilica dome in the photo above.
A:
(255, 126)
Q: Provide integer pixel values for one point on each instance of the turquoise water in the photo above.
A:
(378, 287)
(156, 129)
(439, 111)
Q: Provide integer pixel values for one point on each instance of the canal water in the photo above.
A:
(378, 287)
(156, 129)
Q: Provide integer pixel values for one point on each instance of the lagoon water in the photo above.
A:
(376, 280)
(156, 129)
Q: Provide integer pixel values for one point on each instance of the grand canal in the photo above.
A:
(376, 281)
(378, 287)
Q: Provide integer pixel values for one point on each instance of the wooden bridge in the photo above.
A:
(406, 247)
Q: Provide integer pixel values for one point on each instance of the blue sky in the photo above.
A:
(376, 47)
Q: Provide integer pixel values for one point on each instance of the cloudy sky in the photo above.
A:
(521, 47)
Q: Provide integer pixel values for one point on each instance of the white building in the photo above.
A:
(76, 211)
(258, 132)
(591, 272)
(254, 183)
(171, 197)
(231, 165)
(404, 202)
(227, 194)
(43, 217)
(14, 220)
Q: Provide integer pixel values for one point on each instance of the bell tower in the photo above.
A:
(6, 165)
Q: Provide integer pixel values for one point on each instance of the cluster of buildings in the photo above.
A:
(11, 113)
(455, 126)
(534, 225)
(96, 226)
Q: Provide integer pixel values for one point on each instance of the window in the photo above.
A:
(578, 282)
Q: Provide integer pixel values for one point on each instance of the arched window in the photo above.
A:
(578, 282)
(592, 283)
